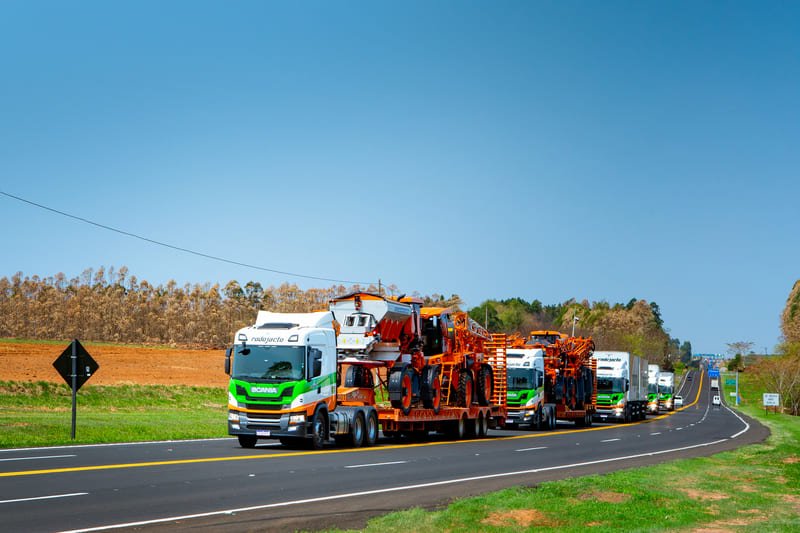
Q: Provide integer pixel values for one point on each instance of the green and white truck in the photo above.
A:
(526, 402)
(621, 386)
(653, 372)
(666, 391)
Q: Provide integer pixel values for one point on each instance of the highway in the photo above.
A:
(214, 484)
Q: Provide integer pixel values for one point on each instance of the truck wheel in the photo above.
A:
(537, 420)
(432, 388)
(457, 429)
(483, 428)
(356, 436)
(318, 430)
(485, 384)
(464, 396)
(247, 441)
(371, 431)
(354, 377)
(589, 420)
(552, 422)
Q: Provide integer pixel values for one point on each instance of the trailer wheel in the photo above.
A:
(371, 431)
(247, 441)
(485, 384)
(464, 396)
(483, 427)
(589, 420)
(457, 429)
(432, 388)
(356, 435)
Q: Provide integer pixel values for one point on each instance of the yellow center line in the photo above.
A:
(328, 452)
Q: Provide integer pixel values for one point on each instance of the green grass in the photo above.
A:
(40, 414)
(753, 488)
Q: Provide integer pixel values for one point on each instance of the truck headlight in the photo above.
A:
(232, 400)
(297, 419)
(233, 417)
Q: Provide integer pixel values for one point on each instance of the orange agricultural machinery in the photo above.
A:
(438, 369)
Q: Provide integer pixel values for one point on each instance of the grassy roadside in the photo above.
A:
(753, 488)
(39, 414)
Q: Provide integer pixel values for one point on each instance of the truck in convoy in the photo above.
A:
(714, 383)
(526, 405)
(369, 361)
(666, 391)
(570, 382)
(653, 372)
(621, 386)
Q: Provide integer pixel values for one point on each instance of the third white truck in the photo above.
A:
(621, 386)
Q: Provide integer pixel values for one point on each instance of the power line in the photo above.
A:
(181, 249)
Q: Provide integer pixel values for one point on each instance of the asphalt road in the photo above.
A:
(215, 484)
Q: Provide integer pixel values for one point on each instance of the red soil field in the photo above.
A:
(118, 365)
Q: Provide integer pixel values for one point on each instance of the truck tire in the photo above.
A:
(356, 434)
(431, 389)
(485, 388)
(457, 429)
(401, 387)
(247, 441)
(357, 376)
(552, 422)
(464, 393)
(483, 429)
(371, 429)
(318, 430)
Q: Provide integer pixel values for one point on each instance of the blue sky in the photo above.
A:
(546, 150)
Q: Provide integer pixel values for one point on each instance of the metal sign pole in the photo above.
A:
(74, 385)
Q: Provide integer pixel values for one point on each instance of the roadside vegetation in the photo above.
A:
(40, 413)
(754, 488)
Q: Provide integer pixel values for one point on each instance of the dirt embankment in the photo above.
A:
(118, 365)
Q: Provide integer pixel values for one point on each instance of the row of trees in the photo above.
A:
(635, 326)
(114, 306)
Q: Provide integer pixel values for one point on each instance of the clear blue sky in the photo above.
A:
(546, 150)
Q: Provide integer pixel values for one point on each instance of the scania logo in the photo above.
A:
(264, 390)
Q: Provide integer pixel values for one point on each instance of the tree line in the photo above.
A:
(112, 305)
(635, 326)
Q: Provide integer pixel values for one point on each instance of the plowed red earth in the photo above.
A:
(118, 365)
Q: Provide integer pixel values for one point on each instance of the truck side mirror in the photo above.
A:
(317, 367)
(627, 385)
(228, 361)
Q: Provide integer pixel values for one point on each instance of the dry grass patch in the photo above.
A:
(519, 517)
(606, 497)
(791, 460)
(705, 495)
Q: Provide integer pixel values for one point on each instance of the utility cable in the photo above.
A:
(180, 249)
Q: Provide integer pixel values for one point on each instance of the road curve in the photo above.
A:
(214, 484)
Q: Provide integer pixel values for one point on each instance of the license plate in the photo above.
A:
(509, 420)
(262, 433)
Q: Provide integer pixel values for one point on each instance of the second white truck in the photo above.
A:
(621, 386)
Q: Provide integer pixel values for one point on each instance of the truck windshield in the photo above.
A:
(269, 363)
(521, 378)
(652, 388)
(665, 389)
(610, 385)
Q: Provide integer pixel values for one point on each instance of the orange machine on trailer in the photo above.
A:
(571, 379)
(438, 369)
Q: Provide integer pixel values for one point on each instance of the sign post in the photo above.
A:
(75, 366)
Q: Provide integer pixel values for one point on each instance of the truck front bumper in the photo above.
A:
(516, 416)
(604, 413)
(268, 427)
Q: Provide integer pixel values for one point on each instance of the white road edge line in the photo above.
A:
(610, 440)
(377, 464)
(40, 457)
(531, 449)
(746, 425)
(656, 433)
(45, 497)
(109, 444)
(390, 489)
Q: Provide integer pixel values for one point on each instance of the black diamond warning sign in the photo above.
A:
(84, 366)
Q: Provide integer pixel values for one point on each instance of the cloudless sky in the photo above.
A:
(546, 150)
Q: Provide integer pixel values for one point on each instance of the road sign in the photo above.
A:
(85, 366)
(771, 399)
(713, 373)
(730, 381)
(76, 366)
(732, 394)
